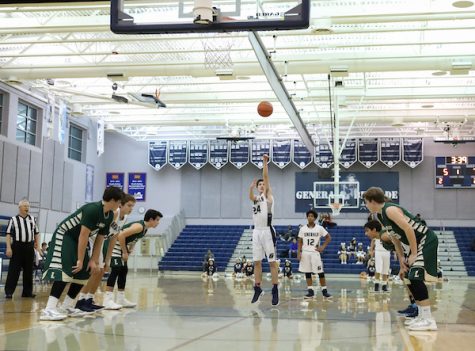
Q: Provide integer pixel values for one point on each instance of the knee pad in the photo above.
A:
(419, 290)
(321, 275)
(308, 275)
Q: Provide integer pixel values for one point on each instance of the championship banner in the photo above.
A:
(324, 155)
(412, 151)
(390, 151)
(137, 185)
(348, 153)
(89, 195)
(198, 153)
(259, 148)
(115, 179)
(368, 151)
(239, 155)
(157, 154)
(100, 137)
(177, 153)
(300, 155)
(306, 196)
(218, 153)
(281, 152)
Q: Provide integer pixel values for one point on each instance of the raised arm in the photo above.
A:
(252, 197)
(265, 176)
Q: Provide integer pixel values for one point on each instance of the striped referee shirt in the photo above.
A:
(22, 229)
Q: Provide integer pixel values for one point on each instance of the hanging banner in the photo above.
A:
(281, 152)
(239, 155)
(390, 151)
(348, 154)
(62, 122)
(198, 154)
(324, 155)
(218, 153)
(89, 196)
(177, 153)
(100, 137)
(300, 154)
(137, 185)
(368, 151)
(50, 116)
(157, 154)
(115, 179)
(258, 149)
(412, 151)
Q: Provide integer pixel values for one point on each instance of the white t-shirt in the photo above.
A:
(261, 209)
(311, 237)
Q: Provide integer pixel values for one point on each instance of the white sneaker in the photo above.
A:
(52, 314)
(126, 303)
(409, 321)
(423, 324)
(72, 312)
(111, 305)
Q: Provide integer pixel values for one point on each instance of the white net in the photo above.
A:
(217, 51)
(336, 203)
(336, 208)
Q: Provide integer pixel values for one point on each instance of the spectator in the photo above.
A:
(21, 239)
(360, 254)
(44, 249)
(342, 254)
(293, 247)
(208, 255)
(288, 269)
(287, 236)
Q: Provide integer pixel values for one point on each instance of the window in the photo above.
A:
(26, 124)
(75, 143)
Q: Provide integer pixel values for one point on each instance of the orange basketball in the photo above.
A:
(265, 109)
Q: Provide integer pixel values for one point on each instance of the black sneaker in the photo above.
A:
(257, 294)
(8, 296)
(376, 288)
(408, 310)
(275, 296)
(325, 293)
(310, 294)
(90, 303)
(385, 289)
(82, 305)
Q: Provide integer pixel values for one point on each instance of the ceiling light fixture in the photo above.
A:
(462, 4)
(439, 73)
(427, 106)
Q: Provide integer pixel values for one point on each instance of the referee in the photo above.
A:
(22, 240)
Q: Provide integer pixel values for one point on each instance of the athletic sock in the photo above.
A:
(310, 287)
(324, 288)
(89, 296)
(425, 312)
(52, 302)
(68, 302)
(413, 301)
(82, 296)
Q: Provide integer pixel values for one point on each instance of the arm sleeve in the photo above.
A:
(323, 232)
(300, 233)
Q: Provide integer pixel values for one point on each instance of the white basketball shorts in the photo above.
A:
(381, 261)
(311, 262)
(263, 244)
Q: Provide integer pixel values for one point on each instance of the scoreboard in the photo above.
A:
(455, 172)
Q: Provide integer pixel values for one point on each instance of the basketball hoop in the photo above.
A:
(336, 208)
(217, 51)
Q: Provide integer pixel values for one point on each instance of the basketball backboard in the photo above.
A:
(187, 16)
(348, 194)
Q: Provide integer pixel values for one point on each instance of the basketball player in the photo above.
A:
(263, 235)
(382, 257)
(86, 297)
(68, 260)
(122, 246)
(309, 253)
(419, 260)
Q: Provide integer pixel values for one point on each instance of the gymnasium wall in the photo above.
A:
(43, 173)
(212, 196)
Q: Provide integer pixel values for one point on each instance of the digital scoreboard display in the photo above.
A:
(455, 172)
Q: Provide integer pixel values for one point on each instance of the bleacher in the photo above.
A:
(465, 237)
(189, 249)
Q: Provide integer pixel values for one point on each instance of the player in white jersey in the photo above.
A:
(263, 235)
(309, 251)
(382, 259)
(86, 297)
